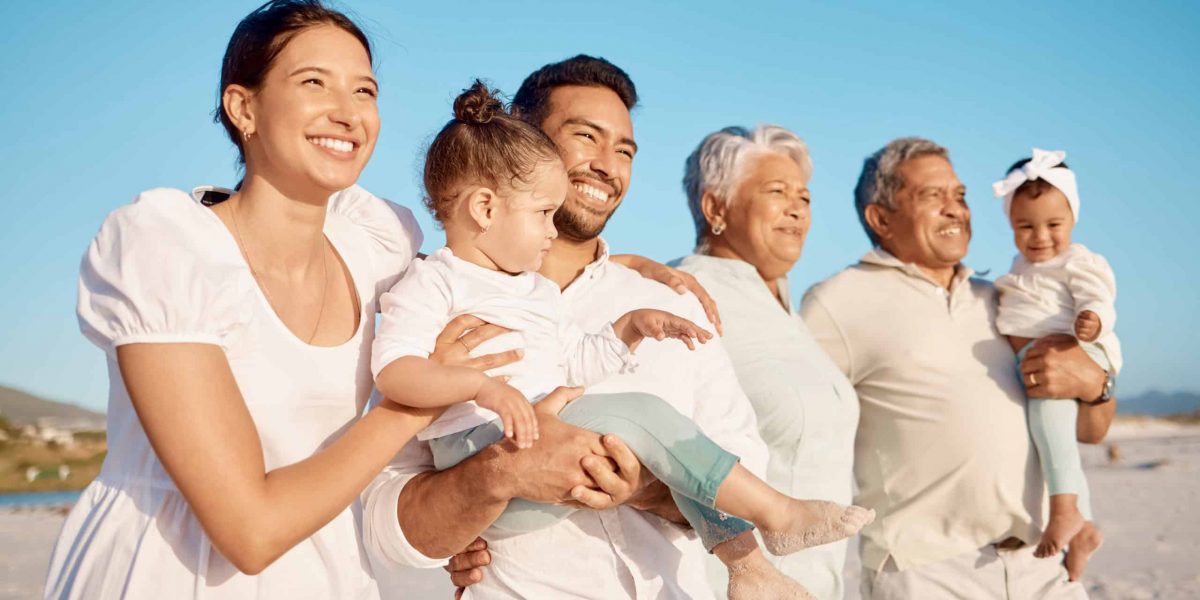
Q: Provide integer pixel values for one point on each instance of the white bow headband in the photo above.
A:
(1044, 166)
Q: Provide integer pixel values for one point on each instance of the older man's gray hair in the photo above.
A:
(879, 180)
(716, 165)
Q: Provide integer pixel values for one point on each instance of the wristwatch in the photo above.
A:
(1110, 388)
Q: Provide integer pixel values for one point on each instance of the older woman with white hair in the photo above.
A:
(748, 194)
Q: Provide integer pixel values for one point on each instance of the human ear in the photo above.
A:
(481, 204)
(235, 101)
(713, 208)
(877, 219)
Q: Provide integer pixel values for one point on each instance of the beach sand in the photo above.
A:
(1146, 506)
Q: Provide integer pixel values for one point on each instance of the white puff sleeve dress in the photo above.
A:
(165, 269)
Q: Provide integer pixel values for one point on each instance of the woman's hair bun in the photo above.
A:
(477, 104)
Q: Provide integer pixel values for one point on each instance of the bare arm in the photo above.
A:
(1063, 370)
(422, 383)
(195, 418)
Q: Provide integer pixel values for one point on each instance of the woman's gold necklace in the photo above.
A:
(237, 230)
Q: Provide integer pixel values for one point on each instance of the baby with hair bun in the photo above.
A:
(494, 182)
(1056, 287)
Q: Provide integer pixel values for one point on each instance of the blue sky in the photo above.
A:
(106, 99)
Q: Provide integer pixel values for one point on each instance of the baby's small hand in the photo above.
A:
(516, 413)
(660, 324)
(1087, 326)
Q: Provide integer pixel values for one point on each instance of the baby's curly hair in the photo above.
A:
(484, 144)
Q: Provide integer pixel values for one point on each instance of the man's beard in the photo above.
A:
(579, 224)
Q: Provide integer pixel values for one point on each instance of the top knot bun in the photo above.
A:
(477, 105)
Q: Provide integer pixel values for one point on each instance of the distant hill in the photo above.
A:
(1156, 403)
(21, 408)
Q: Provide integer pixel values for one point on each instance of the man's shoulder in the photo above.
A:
(848, 281)
(629, 287)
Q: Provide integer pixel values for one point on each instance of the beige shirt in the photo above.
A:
(942, 452)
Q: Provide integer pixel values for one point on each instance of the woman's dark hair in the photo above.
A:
(259, 39)
(484, 145)
(532, 101)
(1032, 188)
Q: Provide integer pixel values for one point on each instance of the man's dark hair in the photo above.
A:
(532, 101)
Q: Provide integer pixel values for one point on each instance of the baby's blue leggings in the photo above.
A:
(1052, 425)
(667, 443)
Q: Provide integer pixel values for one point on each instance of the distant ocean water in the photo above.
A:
(39, 499)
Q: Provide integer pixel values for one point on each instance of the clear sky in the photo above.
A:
(103, 100)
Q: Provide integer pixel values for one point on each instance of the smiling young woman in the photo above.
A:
(235, 331)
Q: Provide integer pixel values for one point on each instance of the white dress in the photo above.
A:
(165, 269)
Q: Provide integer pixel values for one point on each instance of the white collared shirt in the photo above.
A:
(1042, 298)
(615, 553)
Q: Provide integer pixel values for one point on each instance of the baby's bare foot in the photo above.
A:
(815, 522)
(1080, 550)
(1063, 526)
(761, 580)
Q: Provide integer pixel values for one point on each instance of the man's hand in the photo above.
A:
(612, 472)
(656, 499)
(550, 470)
(462, 335)
(1056, 367)
(466, 567)
(1087, 326)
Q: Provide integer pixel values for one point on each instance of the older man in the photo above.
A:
(942, 452)
(583, 104)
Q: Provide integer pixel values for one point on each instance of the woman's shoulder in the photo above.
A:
(390, 231)
(159, 270)
(163, 221)
(392, 226)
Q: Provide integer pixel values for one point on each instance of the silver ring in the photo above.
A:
(1032, 379)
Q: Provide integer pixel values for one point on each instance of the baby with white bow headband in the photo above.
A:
(1056, 286)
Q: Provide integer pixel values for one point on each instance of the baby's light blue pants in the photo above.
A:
(667, 443)
(1052, 425)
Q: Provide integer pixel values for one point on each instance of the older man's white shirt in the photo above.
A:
(614, 553)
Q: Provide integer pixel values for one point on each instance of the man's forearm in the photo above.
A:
(1094, 420)
(442, 512)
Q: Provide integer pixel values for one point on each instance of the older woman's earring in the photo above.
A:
(246, 136)
(717, 228)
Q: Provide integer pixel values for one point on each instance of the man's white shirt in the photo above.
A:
(614, 553)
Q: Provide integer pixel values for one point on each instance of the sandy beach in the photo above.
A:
(1144, 504)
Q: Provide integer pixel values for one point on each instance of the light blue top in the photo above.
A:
(807, 410)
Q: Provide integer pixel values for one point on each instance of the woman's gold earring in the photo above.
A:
(717, 228)
(245, 136)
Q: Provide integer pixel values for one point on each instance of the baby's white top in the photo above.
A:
(435, 290)
(1043, 298)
